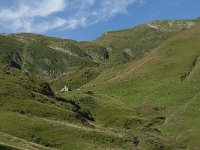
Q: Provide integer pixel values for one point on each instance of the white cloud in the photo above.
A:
(43, 15)
(33, 8)
(110, 8)
(22, 17)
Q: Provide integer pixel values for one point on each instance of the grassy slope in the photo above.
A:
(143, 104)
(141, 96)
(27, 114)
(74, 79)
(41, 55)
(133, 43)
(120, 47)
(162, 88)
(51, 57)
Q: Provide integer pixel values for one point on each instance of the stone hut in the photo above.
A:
(65, 89)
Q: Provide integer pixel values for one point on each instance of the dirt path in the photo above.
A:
(16, 142)
(96, 129)
(193, 69)
(137, 64)
(120, 103)
(181, 108)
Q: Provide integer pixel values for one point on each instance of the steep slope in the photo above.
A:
(149, 103)
(133, 43)
(74, 79)
(123, 46)
(163, 89)
(52, 57)
(40, 55)
(31, 117)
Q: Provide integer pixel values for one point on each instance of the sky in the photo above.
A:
(84, 20)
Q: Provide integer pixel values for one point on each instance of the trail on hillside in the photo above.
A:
(181, 108)
(96, 129)
(118, 101)
(137, 64)
(26, 144)
(193, 69)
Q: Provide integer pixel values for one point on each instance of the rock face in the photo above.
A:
(169, 26)
(46, 89)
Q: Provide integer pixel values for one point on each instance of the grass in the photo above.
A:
(52, 57)
(148, 103)
(130, 44)
(76, 78)
(40, 55)
(156, 89)
(48, 121)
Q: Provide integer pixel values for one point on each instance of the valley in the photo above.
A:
(136, 88)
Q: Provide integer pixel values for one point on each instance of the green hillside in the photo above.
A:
(132, 89)
(163, 89)
(133, 43)
(47, 57)
(53, 57)
(31, 113)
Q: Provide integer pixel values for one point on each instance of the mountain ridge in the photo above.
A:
(150, 101)
(107, 49)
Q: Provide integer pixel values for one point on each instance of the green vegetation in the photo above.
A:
(30, 111)
(150, 102)
(42, 56)
(75, 79)
(53, 57)
(133, 43)
(163, 90)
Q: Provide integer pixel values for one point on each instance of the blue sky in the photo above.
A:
(88, 19)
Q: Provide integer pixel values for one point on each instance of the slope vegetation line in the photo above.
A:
(194, 68)
(135, 65)
(116, 101)
(138, 64)
(19, 143)
(98, 129)
(181, 108)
